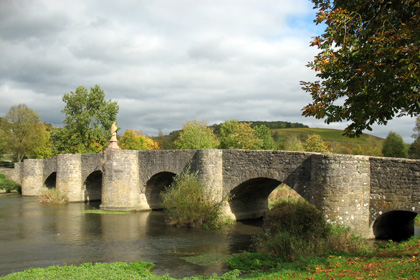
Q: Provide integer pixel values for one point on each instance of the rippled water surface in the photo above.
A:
(37, 235)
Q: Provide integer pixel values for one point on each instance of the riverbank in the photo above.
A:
(390, 261)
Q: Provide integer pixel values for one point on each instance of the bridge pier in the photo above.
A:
(69, 176)
(121, 181)
(210, 169)
(33, 177)
(342, 190)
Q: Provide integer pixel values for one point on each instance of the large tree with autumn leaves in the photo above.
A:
(369, 62)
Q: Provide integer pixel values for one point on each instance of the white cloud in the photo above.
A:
(164, 62)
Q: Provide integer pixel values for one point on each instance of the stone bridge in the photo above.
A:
(377, 197)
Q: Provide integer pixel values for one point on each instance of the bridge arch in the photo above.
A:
(155, 185)
(50, 182)
(250, 198)
(92, 186)
(396, 225)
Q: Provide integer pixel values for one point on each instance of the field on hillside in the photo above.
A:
(334, 136)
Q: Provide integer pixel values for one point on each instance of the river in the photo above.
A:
(37, 235)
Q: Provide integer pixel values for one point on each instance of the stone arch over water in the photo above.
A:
(394, 225)
(93, 186)
(155, 185)
(250, 198)
(50, 182)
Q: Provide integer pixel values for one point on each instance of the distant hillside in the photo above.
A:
(334, 136)
(280, 130)
(270, 124)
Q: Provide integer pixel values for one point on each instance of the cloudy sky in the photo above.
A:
(164, 61)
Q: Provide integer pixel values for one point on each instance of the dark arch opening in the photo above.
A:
(155, 186)
(250, 199)
(51, 181)
(283, 193)
(394, 225)
(93, 186)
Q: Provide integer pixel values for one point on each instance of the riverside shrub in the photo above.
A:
(298, 229)
(53, 196)
(189, 203)
(7, 185)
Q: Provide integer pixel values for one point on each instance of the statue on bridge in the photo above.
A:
(113, 142)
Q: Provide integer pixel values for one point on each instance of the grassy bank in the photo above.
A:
(391, 261)
(6, 185)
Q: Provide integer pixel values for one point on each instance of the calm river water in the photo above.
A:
(37, 235)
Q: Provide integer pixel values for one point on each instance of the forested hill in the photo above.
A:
(270, 125)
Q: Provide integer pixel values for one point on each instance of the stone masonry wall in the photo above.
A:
(69, 176)
(32, 177)
(341, 188)
(153, 162)
(121, 181)
(91, 163)
(337, 184)
(291, 168)
(50, 166)
(11, 174)
(395, 185)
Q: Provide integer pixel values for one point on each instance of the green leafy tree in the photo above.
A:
(264, 134)
(368, 64)
(292, 143)
(371, 148)
(88, 121)
(132, 141)
(414, 150)
(21, 131)
(236, 135)
(314, 143)
(44, 148)
(197, 135)
(394, 146)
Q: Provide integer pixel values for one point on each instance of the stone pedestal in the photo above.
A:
(121, 182)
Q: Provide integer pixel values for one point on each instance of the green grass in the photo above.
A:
(118, 270)
(391, 261)
(395, 261)
(207, 259)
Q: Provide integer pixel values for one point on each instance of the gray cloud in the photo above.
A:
(164, 62)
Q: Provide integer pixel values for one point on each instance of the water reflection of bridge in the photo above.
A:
(375, 196)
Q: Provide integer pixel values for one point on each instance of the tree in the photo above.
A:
(236, 135)
(44, 148)
(314, 143)
(21, 131)
(197, 135)
(132, 141)
(292, 143)
(394, 146)
(414, 150)
(264, 134)
(88, 121)
(369, 63)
